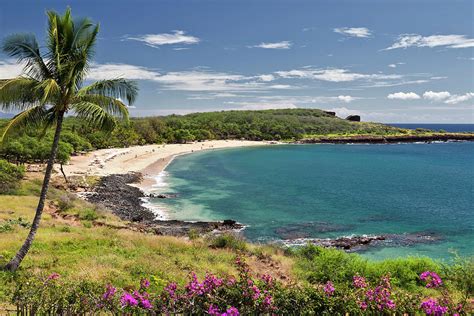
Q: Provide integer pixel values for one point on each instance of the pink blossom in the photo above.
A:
(359, 282)
(231, 311)
(432, 278)
(145, 283)
(128, 300)
(171, 289)
(329, 288)
(109, 292)
(213, 310)
(432, 307)
(53, 276)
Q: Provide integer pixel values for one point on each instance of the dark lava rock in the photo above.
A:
(166, 195)
(361, 243)
(125, 201)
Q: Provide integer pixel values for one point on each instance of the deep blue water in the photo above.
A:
(437, 127)
(334, 190)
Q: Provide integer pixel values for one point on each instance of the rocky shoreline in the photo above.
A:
(125, 201)
(361, 243)
(364, 139)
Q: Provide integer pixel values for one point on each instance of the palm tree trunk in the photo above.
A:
(16, 261)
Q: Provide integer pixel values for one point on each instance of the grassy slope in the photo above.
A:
(81, 248)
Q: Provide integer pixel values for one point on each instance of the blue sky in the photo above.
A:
(389, 61)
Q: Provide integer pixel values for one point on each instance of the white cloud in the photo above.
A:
(266, 78)
(354, 31)
(403, 96)
(156, 40)
(263, 105)
(436, 96)
(332, 75)
(415, 40)
(10, 69)
(200, 79)
(111, 71)
(455, 99)
(395, 65)
(276, 45)
(346, 98)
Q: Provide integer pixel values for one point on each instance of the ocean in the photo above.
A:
(327, 191)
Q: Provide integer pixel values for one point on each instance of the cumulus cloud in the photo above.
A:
(415, 40)
(354, 31)
(156, 40)
(266, 78)
(455, 99)
(346, 98)
(276, 45)
(403, 96)
(440, 96)
(436, 96)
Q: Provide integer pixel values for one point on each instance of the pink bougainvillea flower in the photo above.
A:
(329, 288)
(127, 299)
(432, 278)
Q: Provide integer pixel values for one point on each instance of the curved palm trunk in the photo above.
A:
(16, 261)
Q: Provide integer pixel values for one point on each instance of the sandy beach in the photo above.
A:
(150, 160)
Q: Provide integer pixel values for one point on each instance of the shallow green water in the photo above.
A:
(320, 191)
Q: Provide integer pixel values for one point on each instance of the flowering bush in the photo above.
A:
(432, 278)
(231, 296)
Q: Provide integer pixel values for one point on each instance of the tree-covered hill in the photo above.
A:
(283, 124)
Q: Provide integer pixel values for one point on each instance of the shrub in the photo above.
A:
(10, 176)
(228, 241)
(66, 202)
(88, 215)
(244, 294)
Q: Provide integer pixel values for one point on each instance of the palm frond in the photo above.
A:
(111, 105)
(19, 93)
(50, 91)
(95, 115)
(25, 49)
(33, 117)
(115, 88)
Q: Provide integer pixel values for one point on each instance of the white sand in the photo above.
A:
(149, 159)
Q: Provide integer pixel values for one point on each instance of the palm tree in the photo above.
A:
(52, 86)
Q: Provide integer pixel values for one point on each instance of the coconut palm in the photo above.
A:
(52, 85)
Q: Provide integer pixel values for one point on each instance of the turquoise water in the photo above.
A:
(334, 190)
